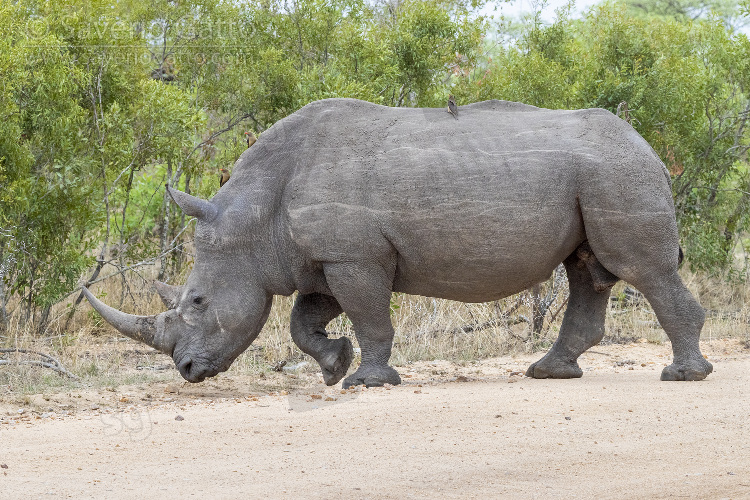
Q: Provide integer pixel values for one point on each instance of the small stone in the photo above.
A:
(417, 392)
(329, 398)
(179, 418)
(3, 466)
(567, 418)
(316, 396)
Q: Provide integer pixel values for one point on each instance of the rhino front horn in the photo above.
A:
(192, 206)
(147, 329)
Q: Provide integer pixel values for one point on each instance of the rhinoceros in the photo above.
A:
(346, 202)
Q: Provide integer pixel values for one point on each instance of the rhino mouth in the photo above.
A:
(195, 370)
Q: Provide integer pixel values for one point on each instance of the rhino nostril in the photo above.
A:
(185, 366)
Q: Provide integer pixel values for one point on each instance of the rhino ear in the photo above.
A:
(169, 294)
(192, 206)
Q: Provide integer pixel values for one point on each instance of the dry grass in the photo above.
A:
(426, 329)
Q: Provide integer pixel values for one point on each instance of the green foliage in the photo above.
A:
(729, 11)
(104, 103)
(44, 213)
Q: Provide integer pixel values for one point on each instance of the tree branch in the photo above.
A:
(47, 361)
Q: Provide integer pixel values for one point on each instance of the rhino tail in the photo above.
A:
(680, 256)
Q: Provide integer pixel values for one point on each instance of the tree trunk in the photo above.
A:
(730, 229)
(30, 308)
(122, 243)
(537, 309)
(3, 309)
(172, 230)
(179, 259)
(43, 320)
(187, 190)
(164, 227)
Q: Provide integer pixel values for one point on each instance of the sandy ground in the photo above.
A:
(474, 431)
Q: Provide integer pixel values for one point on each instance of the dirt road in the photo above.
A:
(476, 431)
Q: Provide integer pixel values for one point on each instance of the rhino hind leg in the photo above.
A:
(310, 315)
(682, 319)
(364, 294)
(649, 260)
(583, 323)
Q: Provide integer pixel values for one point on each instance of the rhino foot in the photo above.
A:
(554, 368)
(693, 370)
(336, 360)
(372, 376)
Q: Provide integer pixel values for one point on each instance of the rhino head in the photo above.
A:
(213, 317)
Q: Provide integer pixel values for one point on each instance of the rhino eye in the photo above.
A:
(198, 301)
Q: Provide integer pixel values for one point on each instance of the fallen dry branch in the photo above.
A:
(47, 361)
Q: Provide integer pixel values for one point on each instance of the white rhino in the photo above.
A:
(346, 202)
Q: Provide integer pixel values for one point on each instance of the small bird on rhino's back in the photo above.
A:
(452, 108)
(223, 176)
(250, 139)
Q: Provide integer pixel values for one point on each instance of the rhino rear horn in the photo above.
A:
(192, 206)
(169, 294)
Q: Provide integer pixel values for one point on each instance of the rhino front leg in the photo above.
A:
(310, 315)
(364, 294)
(582, 326)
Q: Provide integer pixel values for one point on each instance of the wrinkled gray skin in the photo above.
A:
(347, 202)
